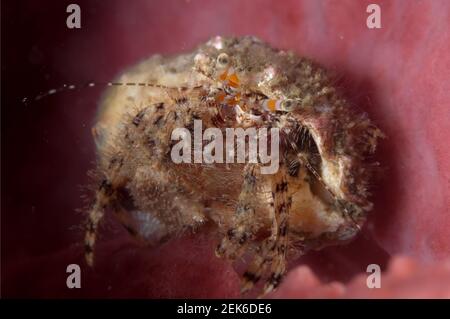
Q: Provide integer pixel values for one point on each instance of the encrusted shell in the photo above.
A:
(343, 137)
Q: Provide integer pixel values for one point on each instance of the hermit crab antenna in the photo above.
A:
(72, 87)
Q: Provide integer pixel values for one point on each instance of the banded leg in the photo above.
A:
(103, 198)
(242, 228)
(259, 264)
(273, 248)
(282, 202)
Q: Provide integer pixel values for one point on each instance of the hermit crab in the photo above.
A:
(318, 196)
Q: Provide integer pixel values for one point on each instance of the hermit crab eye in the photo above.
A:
(223, 60)
(288, 105)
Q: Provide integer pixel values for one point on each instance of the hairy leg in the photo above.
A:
(273, 248)
(103, 198)
(282, 205)
(243, 223)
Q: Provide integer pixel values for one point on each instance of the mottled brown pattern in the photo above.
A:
(318, 197)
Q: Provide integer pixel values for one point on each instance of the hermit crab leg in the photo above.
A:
(259, 264)
(103, 198)
(242, 228)
(262, 257)
(273, 249)
(282, 205)
(106, 196)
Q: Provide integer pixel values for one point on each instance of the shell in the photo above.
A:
(329, 193)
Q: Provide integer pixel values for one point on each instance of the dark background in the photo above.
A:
(47, 146)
